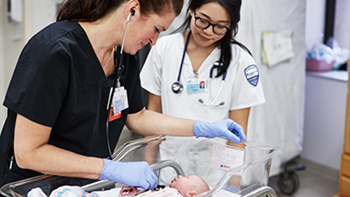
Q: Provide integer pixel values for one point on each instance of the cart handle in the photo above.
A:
(261, 191)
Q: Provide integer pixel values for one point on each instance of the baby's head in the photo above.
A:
(190, 185)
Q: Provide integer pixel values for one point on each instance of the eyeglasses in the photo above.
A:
(202, 23)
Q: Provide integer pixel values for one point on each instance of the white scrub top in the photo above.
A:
(161, 70)
(242, 89)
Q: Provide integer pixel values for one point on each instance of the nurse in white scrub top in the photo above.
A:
(202, 73)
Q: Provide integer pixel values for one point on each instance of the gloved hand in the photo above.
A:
(223, 128)
(138, 174)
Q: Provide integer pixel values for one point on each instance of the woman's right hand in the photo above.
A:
(222, 128)
(138, 174)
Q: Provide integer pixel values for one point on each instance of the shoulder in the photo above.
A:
(241, 56)
(237, 50)
(59, 38)
(63, 32)
(167, 46)
(58, 30)
(170, 40)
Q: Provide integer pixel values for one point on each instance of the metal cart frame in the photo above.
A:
(16, 189)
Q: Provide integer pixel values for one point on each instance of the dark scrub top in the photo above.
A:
(59, 82)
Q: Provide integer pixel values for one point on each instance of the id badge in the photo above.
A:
(120, 100)
(114, 116)
(196, 86)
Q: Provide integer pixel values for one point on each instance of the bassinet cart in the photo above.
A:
(252, 174)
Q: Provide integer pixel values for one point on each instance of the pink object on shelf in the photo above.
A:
(318, 65)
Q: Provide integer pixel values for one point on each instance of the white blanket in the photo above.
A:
(75, 191)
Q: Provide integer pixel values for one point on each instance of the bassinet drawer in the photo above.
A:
(344, 189)
(345, 165)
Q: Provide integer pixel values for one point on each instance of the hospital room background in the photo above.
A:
(305, 110)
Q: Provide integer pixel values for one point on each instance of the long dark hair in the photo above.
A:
(234, 9)
(92, 10)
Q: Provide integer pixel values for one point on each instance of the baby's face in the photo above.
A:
(183, 184)
(180, 182)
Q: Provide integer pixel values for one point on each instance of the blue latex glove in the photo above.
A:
(138, 174)
(223, 128)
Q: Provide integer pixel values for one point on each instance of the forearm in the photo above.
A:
(241, 117)
(148, 122)
(155, 103)
(33, 152)
(151, 123)
(49, 159)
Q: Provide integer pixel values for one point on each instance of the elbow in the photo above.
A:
(22, 158)
(21, 162)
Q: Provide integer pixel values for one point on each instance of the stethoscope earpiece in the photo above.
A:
(222, 103)
(177, 87)
(211, 105)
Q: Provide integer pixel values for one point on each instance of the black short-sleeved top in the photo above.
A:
(59, 82)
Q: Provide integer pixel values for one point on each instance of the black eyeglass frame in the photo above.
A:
(209, 24)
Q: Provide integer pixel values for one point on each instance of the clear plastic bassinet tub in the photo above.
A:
(228, 170)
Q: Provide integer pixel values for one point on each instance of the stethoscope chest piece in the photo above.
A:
(177, 87)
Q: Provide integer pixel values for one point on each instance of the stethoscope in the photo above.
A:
(118, 55)
(177, 86)
(215, 65)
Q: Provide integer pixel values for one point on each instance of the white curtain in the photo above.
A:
(279, 121)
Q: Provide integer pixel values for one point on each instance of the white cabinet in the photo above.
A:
(325, 107)
(344, 179)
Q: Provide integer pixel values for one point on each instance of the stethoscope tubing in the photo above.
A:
(177, 86)
(217, 95)
(116, 82)
(183, 56)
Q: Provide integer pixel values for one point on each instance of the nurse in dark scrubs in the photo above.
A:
(59, 91)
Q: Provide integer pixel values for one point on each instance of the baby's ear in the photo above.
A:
(191, 194)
